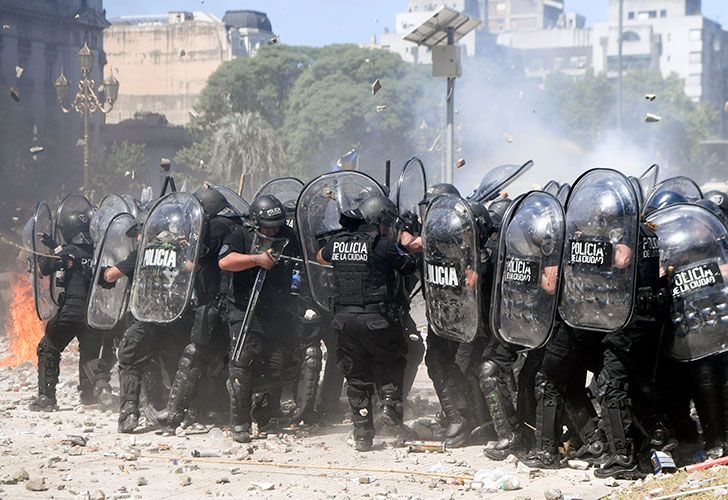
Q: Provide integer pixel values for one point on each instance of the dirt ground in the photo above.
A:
(77, 453)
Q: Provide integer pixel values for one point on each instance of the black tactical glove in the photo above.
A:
(411, 224)
(48, 241)
(106, 285)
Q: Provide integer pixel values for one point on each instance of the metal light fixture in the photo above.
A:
(85, 59)
(63, 89)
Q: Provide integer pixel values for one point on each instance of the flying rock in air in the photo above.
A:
(15, 93)
(652, 118)
(650, 97)
(460, 162)
(181, 52)
(376, 86)
(36, 149)
(274, 40)
(508, 137)
(381, 108)
(18, 71)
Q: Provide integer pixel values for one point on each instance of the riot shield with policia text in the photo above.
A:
(599, 262)
(168, 255)
(694, 256)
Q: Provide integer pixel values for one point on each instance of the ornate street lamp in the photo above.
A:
(86, 101)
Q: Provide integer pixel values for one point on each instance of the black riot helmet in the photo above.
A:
(378, 209)
(74, 226)
(482, 220)
(134, 230)
(433, 192)
(710, 205)
(212, 201)
(719, 198)
(437, 189)
(497, 211)
(167, 225)
(664, 199)
(268, 212)
(536, 237)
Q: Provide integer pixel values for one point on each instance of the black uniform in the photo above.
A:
(70, 322)
(205, 321)
(267, 343)
(371, 347)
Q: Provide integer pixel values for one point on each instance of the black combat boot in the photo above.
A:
(360, 401)
(128, 417)
(48, 371)
(500, 406)
(621, 463)
(184, 388)
(240, 409)
(546, 454)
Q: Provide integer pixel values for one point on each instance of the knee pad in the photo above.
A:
(312, 357)
(359, 397)
(487, 376)
(190, 351)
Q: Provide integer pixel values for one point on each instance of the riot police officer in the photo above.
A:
(74, 260)
(208, 314)
(371, 347)
(246, 251)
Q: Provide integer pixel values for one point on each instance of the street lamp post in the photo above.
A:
(86, 101)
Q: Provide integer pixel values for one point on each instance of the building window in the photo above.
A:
(630, 15)
(696, 35)
(696, 57)
(694, 80)
(646, 14)
(630, 36)
(663, 13)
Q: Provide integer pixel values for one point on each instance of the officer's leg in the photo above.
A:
(309, 376)
(439, 358)
(612, 381)
(647, 405)
(551, 386)
(244, 373)
(415, 354)
(58, 334)
(707, 395)
(267, 398)
(583, 419)
(492, 375)
(356, 363)
(387, 347)
(134, 353)
(526, 399)
(330, 390)
(96, 356)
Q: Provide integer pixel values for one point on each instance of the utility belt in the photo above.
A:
(393, 312)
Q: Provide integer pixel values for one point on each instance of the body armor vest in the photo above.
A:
(358, 281)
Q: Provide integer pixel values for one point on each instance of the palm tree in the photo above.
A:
(243, 144)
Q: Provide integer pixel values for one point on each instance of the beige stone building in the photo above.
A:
(165, 61)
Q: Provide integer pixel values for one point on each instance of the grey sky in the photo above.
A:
(321, 22)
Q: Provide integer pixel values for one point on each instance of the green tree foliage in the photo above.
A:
(331, 108)
(258, 84)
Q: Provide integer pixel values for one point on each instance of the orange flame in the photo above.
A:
(23, 329)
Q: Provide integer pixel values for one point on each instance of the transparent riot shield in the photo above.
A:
(637, 189)
(452, 281)
(600, 259)
(111, 206)
(551, 187)
(526, 291)
(168, 253)
(317, 218)
(72, 203)
(411, 187)
(131, 204)
(497, 179)
(235, 200)
(681, 185)
(286, 190)
(694, 256)
(563, 194)
(648, 179)
(41, 222)
(107, 305)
